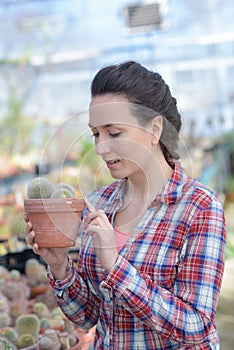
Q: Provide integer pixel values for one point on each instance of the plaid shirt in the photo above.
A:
(163, 290)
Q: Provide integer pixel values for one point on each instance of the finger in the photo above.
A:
(29, 227)
(30, 238)
(89, 205)
(26, 219)
(36, 249)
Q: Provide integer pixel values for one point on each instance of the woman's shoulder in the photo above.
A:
(201, 195)
(188, 190)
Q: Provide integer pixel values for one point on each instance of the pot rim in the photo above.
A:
(53, 205)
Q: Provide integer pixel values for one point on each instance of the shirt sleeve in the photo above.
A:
(186, 313)
(74, 297)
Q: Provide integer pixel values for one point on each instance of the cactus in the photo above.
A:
(57, 312)
(18, 226)
(6, 344)
(15, 275)
(4, 304)
(35, 272)
(15, 290)
(53, 336)
(45, 343)
(17, 308)
(44, 324)
(48, 299)
(41, 310)
(63, 190)
(40, 187)
(25, 340)
(3, 272)
(9, 333)
(5, 319)
(28, 323)
(61, 193)
(56, 323)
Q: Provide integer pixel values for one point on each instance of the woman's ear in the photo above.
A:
(157, 127)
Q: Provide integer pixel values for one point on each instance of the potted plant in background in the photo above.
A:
(54, 212)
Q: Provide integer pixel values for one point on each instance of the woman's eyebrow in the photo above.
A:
(103, 126)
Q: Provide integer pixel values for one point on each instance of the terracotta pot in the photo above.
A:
(55, 220)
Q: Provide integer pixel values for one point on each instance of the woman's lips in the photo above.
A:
(112, 163)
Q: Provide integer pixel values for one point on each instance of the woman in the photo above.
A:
(152, 255)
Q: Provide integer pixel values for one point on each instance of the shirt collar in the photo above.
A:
(173, 190)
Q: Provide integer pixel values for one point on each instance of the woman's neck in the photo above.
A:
(145, 185)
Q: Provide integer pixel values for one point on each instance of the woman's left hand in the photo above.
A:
(102, 233)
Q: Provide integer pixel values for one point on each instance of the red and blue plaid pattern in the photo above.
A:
(163, 290)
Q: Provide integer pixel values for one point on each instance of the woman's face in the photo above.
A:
(124, 145)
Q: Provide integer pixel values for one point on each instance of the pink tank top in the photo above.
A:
(121, 238)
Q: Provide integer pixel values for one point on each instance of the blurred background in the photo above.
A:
(49, 53)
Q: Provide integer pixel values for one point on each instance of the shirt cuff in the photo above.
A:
(120, 277)
(60, 285)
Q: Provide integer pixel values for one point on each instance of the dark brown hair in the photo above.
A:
(143, 88)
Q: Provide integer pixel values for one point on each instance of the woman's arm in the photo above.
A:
(74, 297)
(69, 284)
(186, 312)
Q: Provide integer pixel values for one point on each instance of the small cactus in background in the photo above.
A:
(45, 343)
(18, 226)
(9, 333)
(15, 275)
(48, 299)
(53, 336)
(25, 340)
(4, 273)
(5, 319)
(15, 290)
(17, 308)
(6, 344)
(56, 323)
(44, 324)
(41, 310)
(39, 187)
(35, 272)
(57, 312)
(4, 305)
(28, 323)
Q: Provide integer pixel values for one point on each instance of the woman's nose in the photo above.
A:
(102, 147)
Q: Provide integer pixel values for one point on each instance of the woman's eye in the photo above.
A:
(115, 134)
(95, 134)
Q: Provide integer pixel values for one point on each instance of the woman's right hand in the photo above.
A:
(56, 258)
